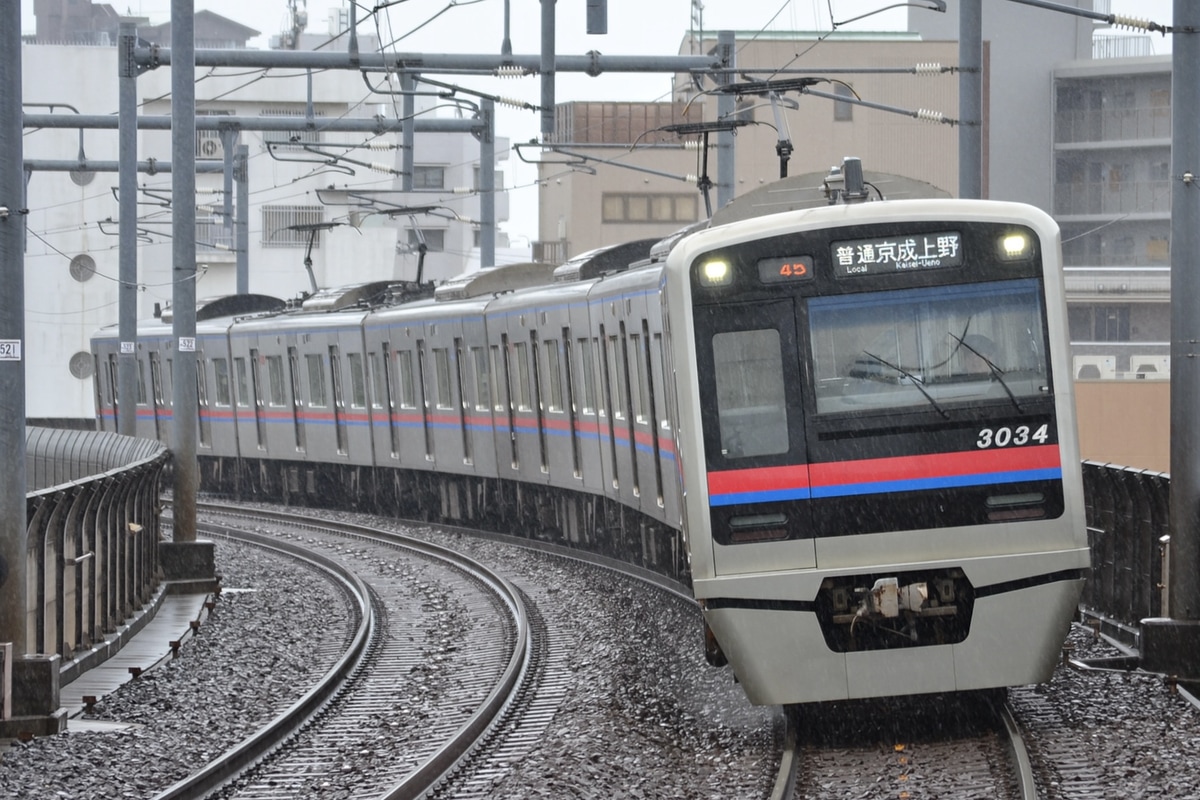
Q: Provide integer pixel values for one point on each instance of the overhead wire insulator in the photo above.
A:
(511, 103)
(380, 146)
(691, 178)
(510, 71)
(386, 169)
(925, 115)
(463, 190)
(928, 68)
(1132, 23)
(692, 144)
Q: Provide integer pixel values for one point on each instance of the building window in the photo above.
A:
(294, 140)
(1111, 324)
(842, 110)
(279, 226)
(429, 177)
(435, 239)
(653, 208)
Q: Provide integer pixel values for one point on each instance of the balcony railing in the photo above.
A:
(1109, 197)
(1120, 125)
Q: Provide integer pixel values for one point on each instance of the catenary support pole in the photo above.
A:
(183, 273)
(127, 154)
(970, 99)
(13, 533)
(241, 177)
(487, 185)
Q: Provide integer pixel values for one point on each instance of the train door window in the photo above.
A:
(205, 437)
(113, 382)
(751, 401)
(572, 420)
(243, 398)
(404, 375)
(169, 383)
(156, 389)
(537, 399)
(141, 383)
(442, 398)
(339, 399)
(390, 405)
(297, 397)
(276, 394)
(316, 380)
(521, 387)
(512, 423)
(464, 405)
(648, 413)
(424, 400)
(483, 380)
(495, 362)
(656, 359)
(587, 377)
(221, 385)
(554, 400)
(377, 380)
(260, 422)
(605, 363)
(358, 381)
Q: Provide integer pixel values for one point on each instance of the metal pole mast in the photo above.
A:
(241, 175)
(13, 531)
(970, 99)
(183, 274)
(487, 185)
(127, 155)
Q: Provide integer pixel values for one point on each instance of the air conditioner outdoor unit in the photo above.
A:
(1095, 367)
(210, 148)
(1150, 367)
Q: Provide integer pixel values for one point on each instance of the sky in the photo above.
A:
(635, 27)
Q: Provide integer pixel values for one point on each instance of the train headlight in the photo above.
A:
(715, 273)
(1016, 246)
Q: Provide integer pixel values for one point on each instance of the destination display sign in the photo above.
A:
(785, 270)
(897, 254)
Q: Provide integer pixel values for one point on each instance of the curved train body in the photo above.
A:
(850, 428)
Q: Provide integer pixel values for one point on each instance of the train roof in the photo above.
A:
(230, 305)
(495, 280)
(604, 260)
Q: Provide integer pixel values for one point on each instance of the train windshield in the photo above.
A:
(934, 346)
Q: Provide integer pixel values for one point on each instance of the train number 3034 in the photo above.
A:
(1012, 437)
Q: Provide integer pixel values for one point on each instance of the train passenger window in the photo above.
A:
(243, 382)
(553, 376)
(441, 366)
(616, 374)
(404, 374)
(358, 381)
(275, 381)
(221, 380)
(751, 401)
(587, 377)
(640, 390)
(483, 380)
(378, 381)
(521, 390)
(317, 396)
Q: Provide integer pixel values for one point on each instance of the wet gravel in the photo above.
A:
(643, 717)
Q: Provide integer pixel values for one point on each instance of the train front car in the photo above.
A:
(878, 447)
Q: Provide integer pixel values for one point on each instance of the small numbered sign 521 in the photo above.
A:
(10, 349)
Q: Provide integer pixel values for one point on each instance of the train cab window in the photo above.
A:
(929, 347)
(444, 398)
(521, 378)
(587, 377)
(242, 377)
(317, 396)
(358, 381)
(751, 401)
(406, 391)
(553, 376)
(275, 381)
(221, 382)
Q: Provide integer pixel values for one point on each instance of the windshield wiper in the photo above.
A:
(997, 373)
(917, 382)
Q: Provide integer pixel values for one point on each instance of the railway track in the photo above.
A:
(449, 614)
